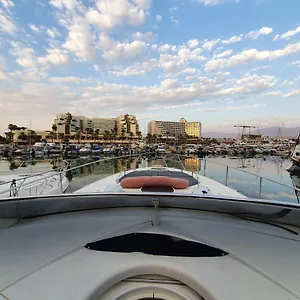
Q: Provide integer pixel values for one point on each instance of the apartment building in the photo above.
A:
(124, 124)
(103, 125)
(127, 124)
(175, 129)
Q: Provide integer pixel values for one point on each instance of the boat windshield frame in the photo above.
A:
(38, 206)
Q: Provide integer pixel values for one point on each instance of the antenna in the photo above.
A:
(279, 134)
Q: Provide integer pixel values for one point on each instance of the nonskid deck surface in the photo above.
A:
(253, 255)
(167, 173)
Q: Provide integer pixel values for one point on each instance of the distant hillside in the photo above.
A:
(291, 132)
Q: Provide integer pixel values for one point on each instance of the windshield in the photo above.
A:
(215, 81)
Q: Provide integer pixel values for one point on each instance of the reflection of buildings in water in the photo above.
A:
(124, 164)
(192, 164)
(131, 164)
(157, 163)
(174, 164)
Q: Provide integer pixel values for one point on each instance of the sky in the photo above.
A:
(220, 62)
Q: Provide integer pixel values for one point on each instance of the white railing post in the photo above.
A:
(204, 169)
(260, 187)
(226, 177)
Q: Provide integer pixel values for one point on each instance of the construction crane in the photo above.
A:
(244, 129)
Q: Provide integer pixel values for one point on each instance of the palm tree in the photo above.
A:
(54, 128)
(123, 130)
(115, 130)
(131, 134)
(89, 132)
(159, 138)
(154, 138)
(68, 120)
(149, 138)
(11, 128)
(97, 132)
(61, 136)
(51, 136)
(167, 133)
(23, 136)
(77, 135)
(139, 134)
(113, 135)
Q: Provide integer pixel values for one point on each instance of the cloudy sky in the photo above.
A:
(222, 62)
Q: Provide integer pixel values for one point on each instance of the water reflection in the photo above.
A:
(95, 168)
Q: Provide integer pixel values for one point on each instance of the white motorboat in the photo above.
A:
(148, 246)
(258, 150)
(32, 184)
(86, 150)
(161, 149)
(296, 156)
(109, 150)
(191, 149)
(160, 179)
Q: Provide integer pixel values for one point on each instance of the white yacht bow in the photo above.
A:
(144, 246)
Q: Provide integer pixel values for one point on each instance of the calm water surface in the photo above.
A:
(244, 175)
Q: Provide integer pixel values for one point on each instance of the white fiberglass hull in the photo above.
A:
(209, 186)
(59, 255)
(41, 184)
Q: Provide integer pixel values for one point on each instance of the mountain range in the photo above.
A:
(273, 132)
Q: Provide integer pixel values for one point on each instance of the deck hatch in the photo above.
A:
(155, 244)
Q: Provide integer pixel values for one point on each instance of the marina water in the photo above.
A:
(255, 177)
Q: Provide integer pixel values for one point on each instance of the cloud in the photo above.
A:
(128, 72)
(167, 48)
(79, 41)
(158, 18)
(233, 39)
(288, 34)
(251, 55)
(208, 45)
(209, 2)
(7, 3)
(253, 35)
(53, 32)
(68, 79)
(33, 28)
(61, 4)
(115, 51)
(296, 63)
(193, 43)
(283, 95)
(25, 56)
(7, 24)
(216, 2)
(148, 37)
(55, 57)
(223, 54)
(86, 97)
(170, 83)
(173, 18)
(176, 63)
(4, 77)
(109, 14)
(2, 63)
(230, 108)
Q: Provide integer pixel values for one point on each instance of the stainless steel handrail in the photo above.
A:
(257, 176)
